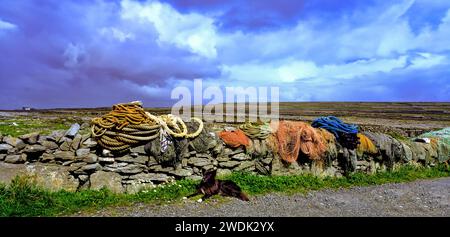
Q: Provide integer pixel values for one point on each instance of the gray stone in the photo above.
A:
(256, 146)
(67, 163)
(52, 177)
(64, 155)
(12, 151)
(30, 138)
(267, 161)
(108, 160)
(83, 152)
(90, 158)
(262, 150)
(203, 142)
(229, 164)
(203, 155)
(244, 165)
(57, 135)
(208, 167)
(223, 172)
(139, 150)
(5, 147)
(90, 143)
(76, 142)
(84, 184)
(133, 187)
(117, 165)
(46, 157)
(362, 163)
(2, 156)
(230, 152)
(73, 130)
(195, 177)
(91, 167)
(408, 153)
(43, 138)
(108, 180)
(196, 170)
(229, 129)
(134, 154)
(199, 162)
(184, 162)
(130, 169)
(65, 146)
(152, 161)
(34, 149)
(15, 142)
(223, 158)
(218, 148)
(241, 156)
(261, 168)
(250, 168)
(83, 177)
(16, 159)
(107, 153)
(160, 169)
(114, 167)
(181, 172)
(76, 166)
(140, 159)
(84, 125)
(150, 177)
(49, 145)
(9, 171)
(64, 139)
(84, 137)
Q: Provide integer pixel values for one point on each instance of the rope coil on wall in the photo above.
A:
(129, 125)
(256, 130)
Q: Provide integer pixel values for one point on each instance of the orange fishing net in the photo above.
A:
(235, 138)
(293, 137)
(365, 145)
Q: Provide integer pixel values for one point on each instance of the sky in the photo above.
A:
(101, 52)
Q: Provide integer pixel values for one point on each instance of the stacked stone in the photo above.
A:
(72, 160)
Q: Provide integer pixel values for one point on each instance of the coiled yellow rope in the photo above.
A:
(129, 125)
(257, 130)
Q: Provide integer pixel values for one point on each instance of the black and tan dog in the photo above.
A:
(211, 186)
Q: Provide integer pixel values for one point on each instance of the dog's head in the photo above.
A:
(209, 176)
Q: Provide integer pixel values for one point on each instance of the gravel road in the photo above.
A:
(419, 198)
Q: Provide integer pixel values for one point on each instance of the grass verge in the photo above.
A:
(22, 198)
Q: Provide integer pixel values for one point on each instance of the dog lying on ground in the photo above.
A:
(210, 186)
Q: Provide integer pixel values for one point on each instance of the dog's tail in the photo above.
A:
(243, 197)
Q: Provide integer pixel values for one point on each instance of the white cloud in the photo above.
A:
(74, 54)
(293, 70)
(193, 31)
(436, 40)
(380, 32)
(117, 34)
(428, 60)
(4, 25)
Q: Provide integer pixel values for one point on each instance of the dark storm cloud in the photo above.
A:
(251, 15)
(96, 53)
(82, 53)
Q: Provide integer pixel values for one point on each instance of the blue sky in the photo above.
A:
(97, 53)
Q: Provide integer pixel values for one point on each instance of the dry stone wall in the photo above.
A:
(74, 161)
